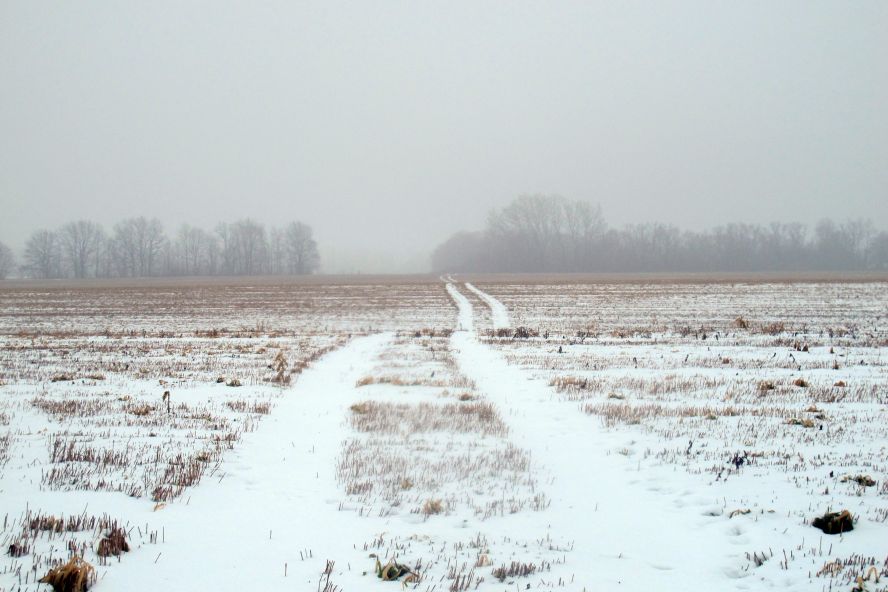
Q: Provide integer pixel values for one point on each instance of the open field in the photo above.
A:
(490, 433)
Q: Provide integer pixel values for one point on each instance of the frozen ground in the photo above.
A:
(491, 437)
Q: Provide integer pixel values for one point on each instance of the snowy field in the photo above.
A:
(485, 435)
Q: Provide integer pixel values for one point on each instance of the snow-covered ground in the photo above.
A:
(497, 437)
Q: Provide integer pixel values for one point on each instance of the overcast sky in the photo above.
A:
(389, 125)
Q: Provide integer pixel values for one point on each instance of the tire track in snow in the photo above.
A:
(276, 503)
(498, 310)
(465, 320)
(624, 536)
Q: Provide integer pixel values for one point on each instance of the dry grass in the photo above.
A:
(410, 419)
(74, 576)
(432, 506)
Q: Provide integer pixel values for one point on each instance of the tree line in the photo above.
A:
(542, 233)
(140, 247)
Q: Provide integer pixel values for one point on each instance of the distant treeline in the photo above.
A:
(551, 234)
(140, 247)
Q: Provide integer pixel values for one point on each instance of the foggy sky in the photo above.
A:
(387, 126)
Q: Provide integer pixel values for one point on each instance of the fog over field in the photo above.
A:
(387, 128)
(459, 296)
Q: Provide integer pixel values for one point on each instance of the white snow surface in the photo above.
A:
(275, 503)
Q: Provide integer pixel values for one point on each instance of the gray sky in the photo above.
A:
(389, 125)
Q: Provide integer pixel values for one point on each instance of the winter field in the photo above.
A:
(482, 433)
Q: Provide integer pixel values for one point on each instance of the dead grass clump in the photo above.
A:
(432, 332)
(365, 381)
(75, 576)
(466, 397)
(393, 570)
(775, 328)
(572, 383)
(516, 569)
(525, 333)
(766, 385)
(862, 480)
(280, 365)
(361, 408)
(835, 522)
(64, 377)
(18, 549)
(114, 543)
(140, 410)
(241, 406)
(840, 384)
(233, 382)
(805, 423)
(741, 323)
(432, 506)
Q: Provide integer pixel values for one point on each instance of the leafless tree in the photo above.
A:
(80, 243)
(138, 243)
(7, 261)
(301, 249)
(195, 251)
(252, 248)
(550, 234)
(276, 252)
(43, 255)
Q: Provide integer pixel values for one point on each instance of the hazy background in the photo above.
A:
(387, 126)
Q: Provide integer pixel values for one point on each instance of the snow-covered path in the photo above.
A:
(498, 310)
(464, 321)
(624, 533)
(277, 503)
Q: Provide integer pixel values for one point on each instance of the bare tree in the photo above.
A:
(194, 251)
(43, 255)
(301, 249)
(138, 243)
(276, 252)
(7, 261)
(80, 244)
(551, 234)
(249, 243)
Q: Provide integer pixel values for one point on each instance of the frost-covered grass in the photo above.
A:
(770, 400)
(118, 400)
(579, 437)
